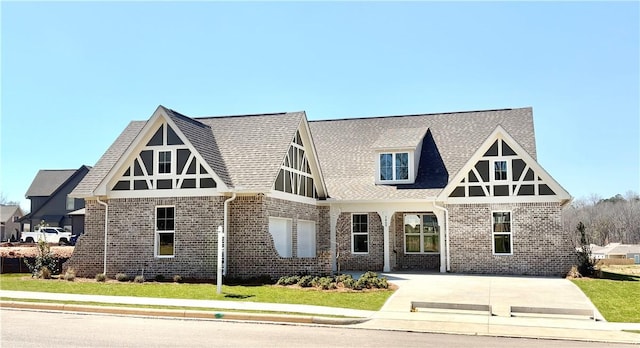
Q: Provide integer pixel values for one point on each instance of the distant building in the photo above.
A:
(50, 200)
(616, 251)
(10, 225)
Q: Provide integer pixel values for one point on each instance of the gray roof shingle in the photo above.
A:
(47, 181)
(346, 149)
(108, 160)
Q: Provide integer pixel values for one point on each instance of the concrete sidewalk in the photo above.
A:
(499, 292)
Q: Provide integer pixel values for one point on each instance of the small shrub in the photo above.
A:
(70, 275)
(121, 277)
(342, 277)
(177, 278)
(159, 278)
(349, 283)
(44, 259)
(101, 277)
(326, 283)
(138, 279)
(305, 281)
(290, 280)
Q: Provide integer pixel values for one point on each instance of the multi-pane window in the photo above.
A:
(421, 233)
(500, 170)
(394, 166)
(501, 222)
(360, 233)
(164, 162)
(165, 232)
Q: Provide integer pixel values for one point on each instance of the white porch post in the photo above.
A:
(334, 212)
(385, 216)
(442, 236)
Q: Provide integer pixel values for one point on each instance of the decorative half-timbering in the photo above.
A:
(502, 171)
(295, 174)
(165, 163)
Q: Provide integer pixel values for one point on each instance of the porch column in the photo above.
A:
(334, 212)
(385, 216)
(442, 238)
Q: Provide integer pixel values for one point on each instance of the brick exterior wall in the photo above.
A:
(372, 261)
(250, 247)
(130, 239)
(540, 247)
(401, 261)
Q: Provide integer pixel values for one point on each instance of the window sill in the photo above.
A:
(502, 254)
(164, 256)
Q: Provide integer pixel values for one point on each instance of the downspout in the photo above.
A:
(106, 224)
(226, 228)
(446, 234)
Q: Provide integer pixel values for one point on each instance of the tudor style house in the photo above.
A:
(450, 192)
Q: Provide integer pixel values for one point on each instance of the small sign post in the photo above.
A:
(220, 258)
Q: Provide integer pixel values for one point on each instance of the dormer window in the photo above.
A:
(394, 166)
(397, 155)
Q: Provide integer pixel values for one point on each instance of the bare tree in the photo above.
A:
(615, 219)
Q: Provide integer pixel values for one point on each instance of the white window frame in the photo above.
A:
(172, 164)
(393, 167)
(421, 234)
(302, 252)
(71, 203)
(510, 233)
(493, 169)
(287, 250)
(353, 234)
(156, 242)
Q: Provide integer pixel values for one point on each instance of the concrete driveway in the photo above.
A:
(500, 292)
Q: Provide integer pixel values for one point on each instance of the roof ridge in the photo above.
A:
(417, 115)
(248, 115)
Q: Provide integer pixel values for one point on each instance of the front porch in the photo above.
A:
(405, 237)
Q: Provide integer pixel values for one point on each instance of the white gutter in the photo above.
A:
(226, 228)
(106, 224)
(446, 234)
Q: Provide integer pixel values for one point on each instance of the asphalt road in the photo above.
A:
(33, 329)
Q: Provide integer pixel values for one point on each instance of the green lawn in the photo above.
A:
(370, 300)
(617, 298)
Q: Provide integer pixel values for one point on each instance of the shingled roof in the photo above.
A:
(48, 181)
(245, 151)
(346, 149)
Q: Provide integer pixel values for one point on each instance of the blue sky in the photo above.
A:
(75, 73)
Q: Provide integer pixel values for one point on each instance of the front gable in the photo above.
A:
(502, 171)
(160, 161)
(300, 173)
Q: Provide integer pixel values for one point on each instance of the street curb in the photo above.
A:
(187, 314)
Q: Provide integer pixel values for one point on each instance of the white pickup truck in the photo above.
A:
(48, 234)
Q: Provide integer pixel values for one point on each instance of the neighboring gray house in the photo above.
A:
(50, 200)
(10, 226)
(449, 192)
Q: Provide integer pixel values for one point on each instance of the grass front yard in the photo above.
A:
(617, 296)
(365, 300)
